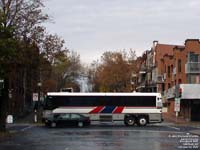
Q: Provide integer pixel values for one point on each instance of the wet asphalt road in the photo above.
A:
(101, 137)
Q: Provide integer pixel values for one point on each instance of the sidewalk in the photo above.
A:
(30, 118)
(181, 122)
(172, 118)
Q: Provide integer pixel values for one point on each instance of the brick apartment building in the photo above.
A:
(174, 71)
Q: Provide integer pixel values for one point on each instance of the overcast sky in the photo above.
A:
(91, 27)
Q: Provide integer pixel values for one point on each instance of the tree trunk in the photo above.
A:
(3, 106)
(25, 90)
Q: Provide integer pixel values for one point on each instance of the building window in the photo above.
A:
(168, 71)
(179, 81)
(172, 70)
(169, 85)
(193, 57)
(179, 65)
(194, 79)
(163, 87)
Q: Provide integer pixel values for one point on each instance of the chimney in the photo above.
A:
(154, 44)
(154, 52)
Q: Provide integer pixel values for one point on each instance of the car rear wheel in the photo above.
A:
(53, 124)
(80, 124)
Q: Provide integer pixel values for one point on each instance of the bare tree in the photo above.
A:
(22, 15)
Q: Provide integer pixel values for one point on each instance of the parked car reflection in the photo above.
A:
(65, 119)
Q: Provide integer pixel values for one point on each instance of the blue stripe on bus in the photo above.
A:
(108, 109)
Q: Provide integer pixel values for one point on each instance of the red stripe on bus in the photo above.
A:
(118, 110)
(97, 109)
(139, 107)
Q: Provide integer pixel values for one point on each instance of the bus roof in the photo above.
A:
(101, 94)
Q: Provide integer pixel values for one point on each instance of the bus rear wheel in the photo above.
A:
(142, 121)
(129, 121)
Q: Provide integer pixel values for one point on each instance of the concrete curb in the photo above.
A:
(196, 132)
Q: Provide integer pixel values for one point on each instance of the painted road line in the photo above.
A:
(173, 128)
(26, 128)
(126, 130)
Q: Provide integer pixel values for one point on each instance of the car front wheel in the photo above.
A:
(80, 124)
(53, 124)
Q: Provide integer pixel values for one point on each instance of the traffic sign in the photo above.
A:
(177, 104)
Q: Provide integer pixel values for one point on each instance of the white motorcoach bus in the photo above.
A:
(132, 108)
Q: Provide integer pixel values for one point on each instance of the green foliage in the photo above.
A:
(7, 50)
(28, 55)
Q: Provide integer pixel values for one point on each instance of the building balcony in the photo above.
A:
(141, 86)
(192, 67)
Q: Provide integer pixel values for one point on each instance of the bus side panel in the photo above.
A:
(118, 117)
(138, 110)
(155, 117)
(99, 116)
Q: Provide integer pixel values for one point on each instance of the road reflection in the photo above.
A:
(120, 140)
(101, 138)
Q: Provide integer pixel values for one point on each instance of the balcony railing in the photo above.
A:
(192, 67)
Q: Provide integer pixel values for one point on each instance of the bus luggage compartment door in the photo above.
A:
(105, 118)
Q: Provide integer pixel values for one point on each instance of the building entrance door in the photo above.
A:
(195, 110)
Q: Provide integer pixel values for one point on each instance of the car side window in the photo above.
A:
(65, 116)
(75, 116)
(56, 116)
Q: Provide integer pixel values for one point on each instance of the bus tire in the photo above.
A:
(129, 121)
(142, 121)
(53, 124)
